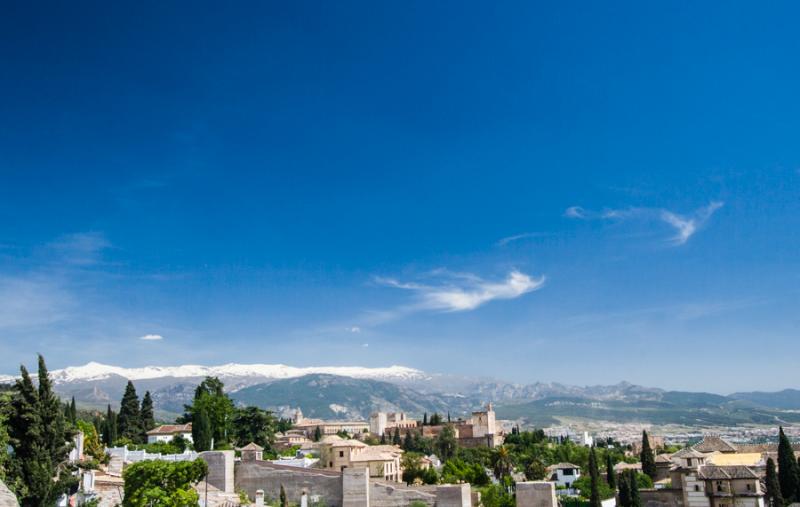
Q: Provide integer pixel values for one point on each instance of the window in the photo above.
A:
(341, 454)
(688, 462)
(749, 488)
(568, 471)
(697, 487)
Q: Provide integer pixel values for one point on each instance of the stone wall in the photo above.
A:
(536, 494)
(7, 498)
(454, 495)
(323, 484)
(220, 469)
(383, 494)
(661, 497)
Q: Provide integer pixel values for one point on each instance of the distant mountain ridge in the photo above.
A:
(354, 392)
(99, 371)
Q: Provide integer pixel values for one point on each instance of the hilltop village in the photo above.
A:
(228, 455)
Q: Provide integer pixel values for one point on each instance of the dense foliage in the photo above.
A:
(163, 483)
(39, 436)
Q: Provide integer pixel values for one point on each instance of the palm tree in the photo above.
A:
(502, 462)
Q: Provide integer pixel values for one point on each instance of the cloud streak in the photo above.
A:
(465, 291)
(80, 249)
(151, 337)
(685, 226)
(517, 237)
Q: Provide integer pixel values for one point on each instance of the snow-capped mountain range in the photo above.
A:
(94, 371)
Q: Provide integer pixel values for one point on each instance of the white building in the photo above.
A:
(564, 474)
(167, 432)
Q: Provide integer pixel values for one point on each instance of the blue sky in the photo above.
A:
(573, 193)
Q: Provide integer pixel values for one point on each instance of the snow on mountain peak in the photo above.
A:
(98, 371)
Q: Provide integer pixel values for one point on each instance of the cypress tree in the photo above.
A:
(57, 437)
(317, 434)
(110, 427)
(774, 496)
(635, 499)
(594, 476)
(39, 448)
(624, 490)
(201, 431)
(148, 418)
(788, 470)
(611, 477)
(396, 437)
(383, 438)
(647, 457)
(73, 412)
(129, 421)
(408, 443)
(425, 419)
(284, 500)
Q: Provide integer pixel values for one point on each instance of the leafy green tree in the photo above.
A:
(163, 483)
(774, 496)
(251, 424)
(91, 440)
(147, 414)
(446, 443)
(436, 419)
(5, 458)
(611, 478)
(594, 477)
(788, 470)
(456, 470)
(647, 457)
(129, 420)
(38, 435)
(202, 434)
(535, 470)
(497, 495)
(210, 398)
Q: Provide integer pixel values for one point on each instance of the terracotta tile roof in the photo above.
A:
(688, 452)
(714, 443)
(171, 429)
(714, 472)
(252, 446)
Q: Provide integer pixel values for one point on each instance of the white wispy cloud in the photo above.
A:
(575, 212)
(80, 249)
(354, 329)
(33, 301)
(518, 237)
(685, 226)
(465, 291)
(151, 337)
